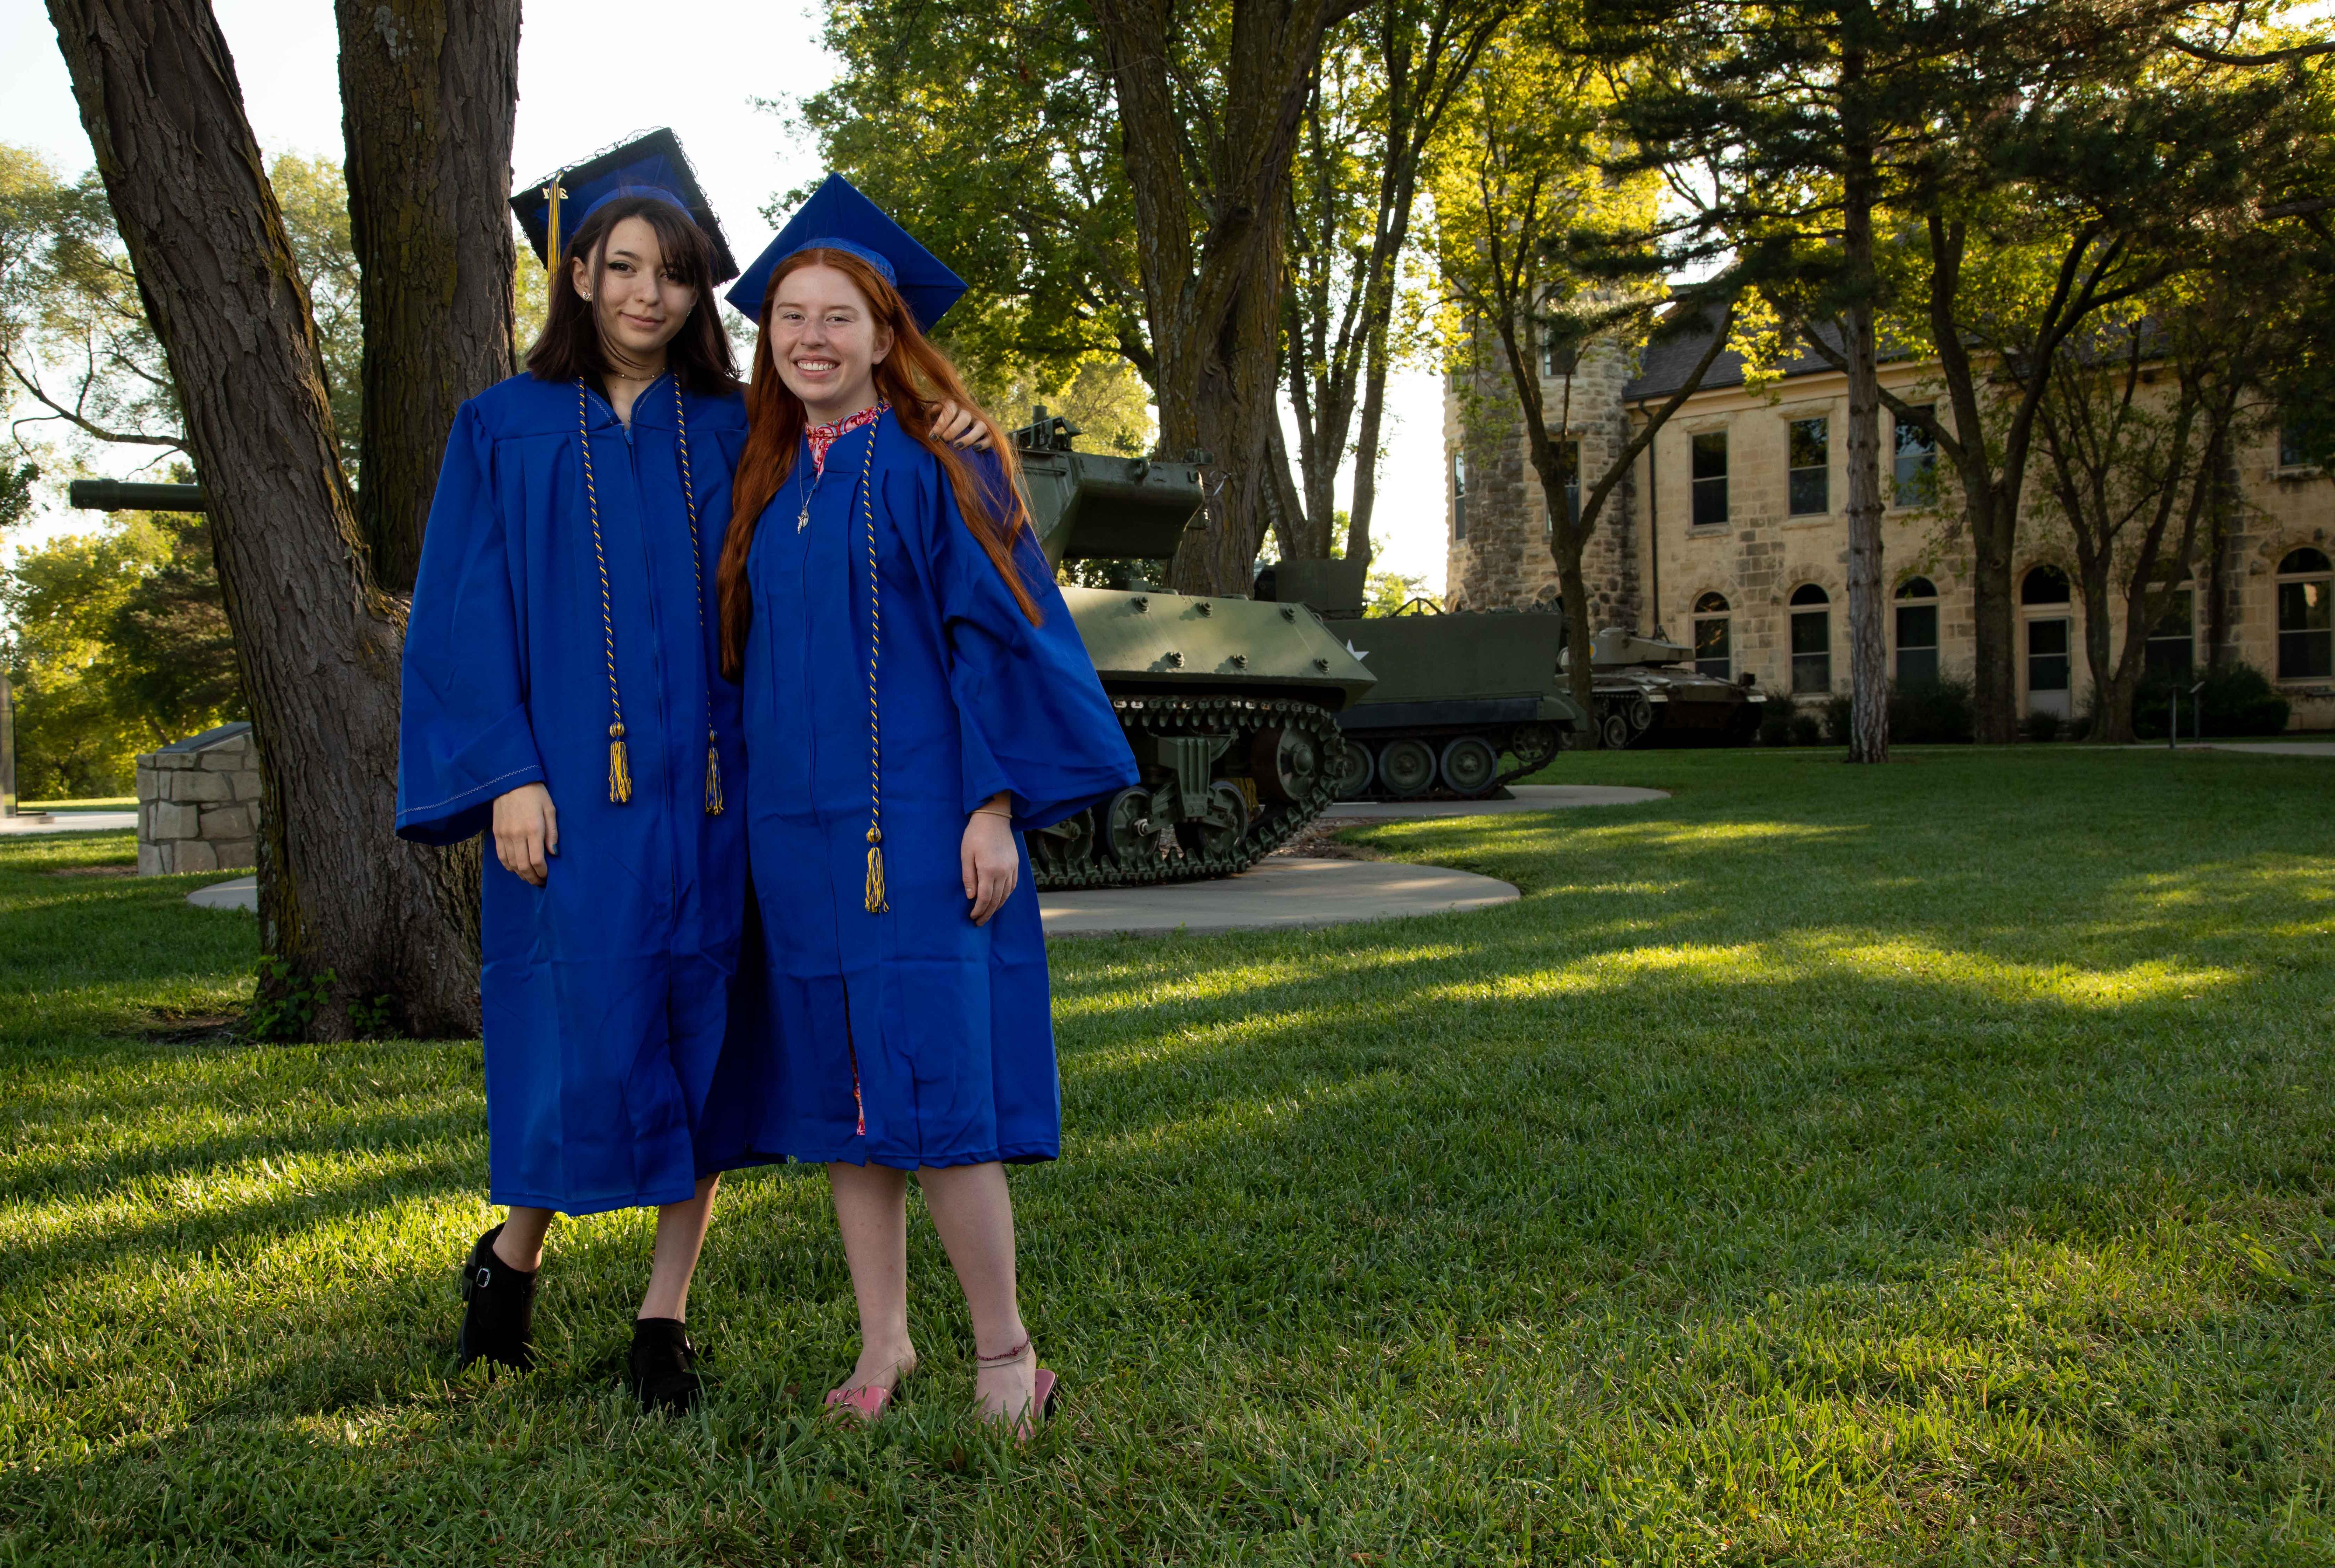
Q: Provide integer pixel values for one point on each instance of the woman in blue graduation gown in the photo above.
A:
(915, 695)
(560, 690)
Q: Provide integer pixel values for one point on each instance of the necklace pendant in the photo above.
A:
(802, 520)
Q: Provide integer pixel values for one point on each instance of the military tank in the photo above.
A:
(1229, 704)
(1649, 693)
(1465, 701)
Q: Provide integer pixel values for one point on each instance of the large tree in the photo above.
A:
(317, 641)
(1389, 75)
(427, 90)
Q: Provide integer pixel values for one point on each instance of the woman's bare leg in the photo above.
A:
(975, 1214)
(871, 1210)
(680, 1237)
(520, 1244)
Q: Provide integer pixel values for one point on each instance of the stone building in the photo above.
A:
(198, 803)
(1731, 534)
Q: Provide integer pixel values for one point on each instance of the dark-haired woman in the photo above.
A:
(558, 692)
(915, 692)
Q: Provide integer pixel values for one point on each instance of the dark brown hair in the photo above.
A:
(699, 354)
(915, 378)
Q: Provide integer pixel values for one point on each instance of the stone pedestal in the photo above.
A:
(198, 804)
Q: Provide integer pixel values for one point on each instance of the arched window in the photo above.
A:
(1811, 640)
(1714, 653)
(1917, 633)
(2044, 585)
(2306, 632)
(1459, 497)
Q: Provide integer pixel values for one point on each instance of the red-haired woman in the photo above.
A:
(915, 692)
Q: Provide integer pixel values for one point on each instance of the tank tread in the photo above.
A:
(1271, 826)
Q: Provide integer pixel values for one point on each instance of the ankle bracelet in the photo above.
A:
(1005, 1359)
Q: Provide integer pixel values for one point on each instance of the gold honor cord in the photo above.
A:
(697, 565)
(876, 904)
(620, 774)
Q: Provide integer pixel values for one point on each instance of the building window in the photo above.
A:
(1557, 357)
(1710, 479)
(1918, 465)
(1459, 497)
(2049, 640)
(2293, 447)
(1811, 640)
(2171, 652)
(1569, 454)
(1714, 653)
(2306, 634)
(1917, 633)
(1810, 446)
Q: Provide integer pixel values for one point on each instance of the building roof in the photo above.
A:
(1668, 364)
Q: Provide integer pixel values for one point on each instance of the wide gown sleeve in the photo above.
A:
(1035, 723)
(463, 733)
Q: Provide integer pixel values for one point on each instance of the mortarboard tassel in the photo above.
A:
(712, 777)
(876, 904)
(620, 771)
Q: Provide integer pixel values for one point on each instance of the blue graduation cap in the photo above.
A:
(839, 217)
(552, 210)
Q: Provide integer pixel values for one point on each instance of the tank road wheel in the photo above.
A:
(1285, 764)
(1613, 730)
(1126, 832)
(1407, 768)
(1470, 767)
(1535, 745)
(1642, 715)
(1349, 775)
(1069, 845)
(1229, 806)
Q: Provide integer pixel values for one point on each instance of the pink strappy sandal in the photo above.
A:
(1041, 1390)
(867, 1402)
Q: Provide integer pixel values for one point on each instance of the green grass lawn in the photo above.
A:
(1924, 1164)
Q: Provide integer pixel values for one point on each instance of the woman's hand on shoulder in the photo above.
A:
(991, 860)
(959, 428)
(526, 833)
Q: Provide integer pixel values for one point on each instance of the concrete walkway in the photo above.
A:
(2267, 748)
(1283, 893)
(1525, 797)
(243, 893)
(70, 822)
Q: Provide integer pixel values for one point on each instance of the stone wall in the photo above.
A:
(198, 804)
(1505, 562)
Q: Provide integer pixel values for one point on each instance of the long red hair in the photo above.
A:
(915, 378)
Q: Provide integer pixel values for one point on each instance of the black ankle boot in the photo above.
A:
(663, 1365)
(499, 1316)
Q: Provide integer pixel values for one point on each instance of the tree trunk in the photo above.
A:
(1868, 648)
(1214, 298)
(316, 643)
(429, 94)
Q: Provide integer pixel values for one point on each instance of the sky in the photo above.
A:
(571, 104)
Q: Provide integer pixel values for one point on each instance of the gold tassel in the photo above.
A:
(876, 904)
(713, 777)
(620, 772)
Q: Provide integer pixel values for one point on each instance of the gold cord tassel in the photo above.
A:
(876, 904)
(713, 777)
(620, 771)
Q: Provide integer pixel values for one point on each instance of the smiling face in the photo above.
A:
(640, 300)
(827, 342)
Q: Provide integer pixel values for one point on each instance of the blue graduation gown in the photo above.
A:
(939, 1031)
(604, 992)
